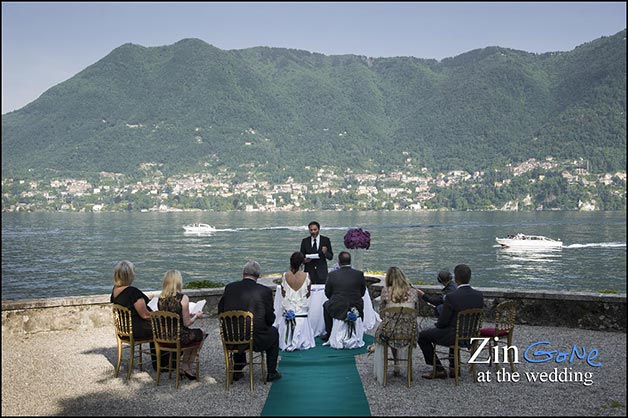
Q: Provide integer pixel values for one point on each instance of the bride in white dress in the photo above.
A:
(295, 332)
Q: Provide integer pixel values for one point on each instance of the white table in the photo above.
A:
(315, 305)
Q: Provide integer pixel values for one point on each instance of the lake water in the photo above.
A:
(72, 254)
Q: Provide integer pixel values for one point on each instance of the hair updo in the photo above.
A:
(296, 259)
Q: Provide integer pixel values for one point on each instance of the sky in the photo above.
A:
(44, 44)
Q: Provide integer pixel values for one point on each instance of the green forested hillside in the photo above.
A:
(193, 107)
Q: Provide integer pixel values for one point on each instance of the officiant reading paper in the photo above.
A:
(317, 250)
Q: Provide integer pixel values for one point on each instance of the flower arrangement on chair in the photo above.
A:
(352, 316)
(291, 323)
(357, 238)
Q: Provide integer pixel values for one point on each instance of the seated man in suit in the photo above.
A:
(248, 295)
(344, 289)
(444, 278)
(444, 333)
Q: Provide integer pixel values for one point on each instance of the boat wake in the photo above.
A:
(598, 245)
(266, 228)
(279, 228)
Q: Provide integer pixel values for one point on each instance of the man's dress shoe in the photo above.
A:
(440, 374)
(273, 376)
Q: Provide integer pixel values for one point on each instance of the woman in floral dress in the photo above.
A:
(398, 292)
(172, 300)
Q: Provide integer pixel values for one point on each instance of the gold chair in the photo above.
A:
(236, 333)
(468, 324)
(397, 338)
(124, 335)
(505, 314)
(167, 337)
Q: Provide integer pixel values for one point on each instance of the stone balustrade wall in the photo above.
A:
(604, 312)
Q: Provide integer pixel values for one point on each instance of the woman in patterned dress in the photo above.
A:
(172, 300)
(398, 292)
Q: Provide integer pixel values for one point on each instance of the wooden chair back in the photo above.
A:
(167, 337)
(468, 325)
(123, 326)
(236, 333)
(399, 337)
(505, 315)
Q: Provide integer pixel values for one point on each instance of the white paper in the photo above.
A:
(154, 303)
(197, 307)
(194, 306)
(312, 256)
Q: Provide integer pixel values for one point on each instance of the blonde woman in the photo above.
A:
(398, 292)
(172, 300)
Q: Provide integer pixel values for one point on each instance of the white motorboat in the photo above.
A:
(528, 241)
(199, 228)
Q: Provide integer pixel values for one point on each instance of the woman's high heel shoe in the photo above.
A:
(188, 375)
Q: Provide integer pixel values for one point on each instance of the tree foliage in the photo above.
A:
(193, 107)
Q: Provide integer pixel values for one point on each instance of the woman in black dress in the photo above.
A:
(172, 300)
(133, 298)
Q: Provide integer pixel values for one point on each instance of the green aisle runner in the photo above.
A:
(319, 381)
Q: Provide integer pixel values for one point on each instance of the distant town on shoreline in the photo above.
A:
(532, 185)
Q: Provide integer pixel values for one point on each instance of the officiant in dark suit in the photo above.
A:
(318, 248)
(344, 289)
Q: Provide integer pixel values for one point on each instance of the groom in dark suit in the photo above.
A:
(344, 289)
(319, 249)
(248, 295)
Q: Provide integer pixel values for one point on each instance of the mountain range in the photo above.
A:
(192, 107)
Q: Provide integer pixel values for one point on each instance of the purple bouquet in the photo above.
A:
(356, 238)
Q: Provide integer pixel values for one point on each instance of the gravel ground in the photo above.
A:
(605, 396)
(71, 373)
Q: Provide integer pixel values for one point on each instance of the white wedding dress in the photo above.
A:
(302, 336)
